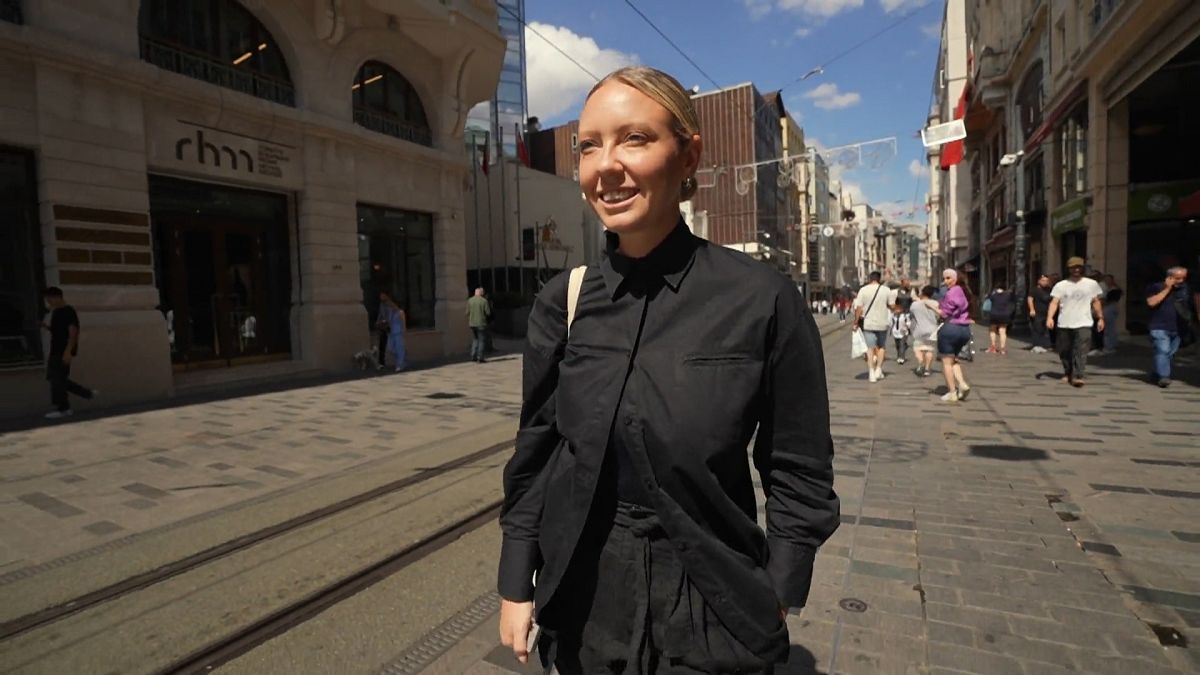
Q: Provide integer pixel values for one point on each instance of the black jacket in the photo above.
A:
(720, 345)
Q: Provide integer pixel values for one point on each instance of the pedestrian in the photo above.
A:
(1038, 304)
(1002, 306)
(381, 327)
(904, 295)
(1097, 341)
(901, 328)
(629, 494)
(1173, 310)
(872, 317)
(64, 347)
(479, 313)
(925, 318)
(1078, 298)
(397, 321)
(824, 307)
(842, 306)
(954, 334)
(816, 307)
(1112, 310)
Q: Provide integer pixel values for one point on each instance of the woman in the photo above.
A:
(394, 318)
(954, 334)
(629, 494)
(925, 319)
(1112, 309)
(1002, 305)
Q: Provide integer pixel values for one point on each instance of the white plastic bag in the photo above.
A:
(858, 344)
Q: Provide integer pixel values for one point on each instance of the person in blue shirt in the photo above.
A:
(1173, 310)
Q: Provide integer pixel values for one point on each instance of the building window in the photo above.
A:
(10, 11)
(1029, 100)
(1072, 147)
(385, 102)
(574, 141)
(1035, 184)
(395, 254)
(20, 261)
(217, 41)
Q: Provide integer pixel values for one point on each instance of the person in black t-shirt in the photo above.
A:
(1038, 304)
(64, 345)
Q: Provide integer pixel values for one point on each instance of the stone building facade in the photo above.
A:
(222, 188)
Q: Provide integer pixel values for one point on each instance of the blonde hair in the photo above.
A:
(670, 94)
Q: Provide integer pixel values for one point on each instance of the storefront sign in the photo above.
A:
(1165, 201)
(1070, 216)
(182, 145)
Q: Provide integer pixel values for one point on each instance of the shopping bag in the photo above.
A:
(858, 344)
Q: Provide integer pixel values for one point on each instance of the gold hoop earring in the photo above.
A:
(689, 184)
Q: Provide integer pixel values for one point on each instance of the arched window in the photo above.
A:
(385, 102)
(217, 41)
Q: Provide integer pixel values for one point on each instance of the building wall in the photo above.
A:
(99, 120)
(726, 125)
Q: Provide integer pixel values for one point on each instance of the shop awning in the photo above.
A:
(1051, 121)
(952, 152)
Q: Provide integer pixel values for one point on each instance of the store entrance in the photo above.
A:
(223, 276)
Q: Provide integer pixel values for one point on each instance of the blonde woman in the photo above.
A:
(630, 494)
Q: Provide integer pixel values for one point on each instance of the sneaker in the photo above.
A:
(1164, 382)
(900, 361)
(1077, 383)
(1003, 352)
(872, 377)
(963, 392)
(951, 397)
(1095, 352)
(991, 350)
(1038, 350)
(59, 414)
(927, 373)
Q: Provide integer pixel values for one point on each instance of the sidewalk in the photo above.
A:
(1033, 529)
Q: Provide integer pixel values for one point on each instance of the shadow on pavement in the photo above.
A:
(1009, 453)
(800, 662)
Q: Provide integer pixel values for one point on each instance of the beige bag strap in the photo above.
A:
(574, 284)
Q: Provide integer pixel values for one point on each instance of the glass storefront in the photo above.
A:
(223, 272)
(21, 306)
(395, 254)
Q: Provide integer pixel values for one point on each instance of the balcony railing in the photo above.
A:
(10, 11)
(205, 68)
(392, 126)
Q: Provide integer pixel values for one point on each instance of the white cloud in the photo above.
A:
(857, 195)
(758, 8)
(932, 30)
(891, 6)
(556, 84)
(827, 97)
(917, 168)
(821, 8)
(803, 32)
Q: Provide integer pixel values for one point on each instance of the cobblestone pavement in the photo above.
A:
(1033, 529)
(67, 489)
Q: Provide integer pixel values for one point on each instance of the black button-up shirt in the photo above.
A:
(673, 361)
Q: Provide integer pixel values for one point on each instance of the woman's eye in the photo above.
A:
(584, 146)
(635, 138)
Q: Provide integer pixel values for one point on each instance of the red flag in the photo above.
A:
(522, 151)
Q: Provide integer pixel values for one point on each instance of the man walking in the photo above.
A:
(64, 346)
(1077, 299)
(1038, 304)
(873, 318)
(479, 312)
(1173, 309)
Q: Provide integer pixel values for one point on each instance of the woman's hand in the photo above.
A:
(516, 620)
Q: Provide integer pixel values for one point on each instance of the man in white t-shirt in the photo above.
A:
(1076, 300)
(874, 319)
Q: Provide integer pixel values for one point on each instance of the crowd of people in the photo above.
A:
(1076, 317)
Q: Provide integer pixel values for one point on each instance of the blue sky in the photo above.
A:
(882, 89)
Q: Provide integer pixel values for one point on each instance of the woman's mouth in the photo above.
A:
(617, 198)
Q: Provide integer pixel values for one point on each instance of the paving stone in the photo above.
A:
(276, 471)
(1162, 597)
(971, 660)
(71, 478)
(103, 527)
(143, 490)
(1025, 648)
(140, 504)
(55, 507)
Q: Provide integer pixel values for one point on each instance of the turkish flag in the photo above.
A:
(522, 151)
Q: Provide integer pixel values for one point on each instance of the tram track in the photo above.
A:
(142, 581)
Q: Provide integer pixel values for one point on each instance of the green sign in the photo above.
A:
(1070, 216)
(1164, 201)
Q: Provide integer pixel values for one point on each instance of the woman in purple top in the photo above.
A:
(954, 334)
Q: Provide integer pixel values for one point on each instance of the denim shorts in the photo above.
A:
(951, 338)
(876, 339)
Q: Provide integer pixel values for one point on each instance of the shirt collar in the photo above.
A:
(671, 259)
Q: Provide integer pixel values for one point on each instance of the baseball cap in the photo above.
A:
(1074, 261)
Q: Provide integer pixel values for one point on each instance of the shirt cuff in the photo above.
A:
(791, 568)
(518, 562)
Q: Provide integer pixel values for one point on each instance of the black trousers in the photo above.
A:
(1041, 334)
(1073, 347)
(636, 612)
(61, 384)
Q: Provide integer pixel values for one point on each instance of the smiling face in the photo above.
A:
(632, 162)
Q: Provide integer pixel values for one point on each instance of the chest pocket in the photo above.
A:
(721, 389)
